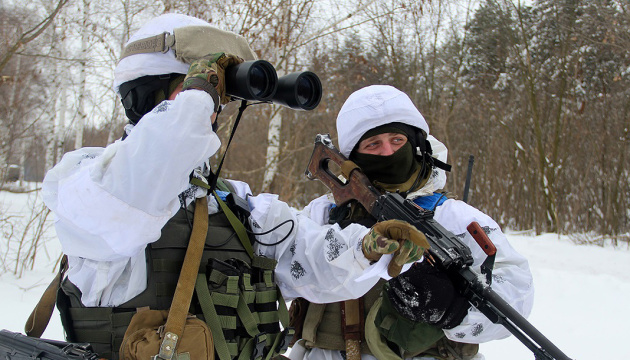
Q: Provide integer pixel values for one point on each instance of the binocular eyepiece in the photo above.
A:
(257, 80)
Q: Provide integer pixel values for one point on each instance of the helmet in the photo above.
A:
(137, 78)
(154, 63)
(371, 107)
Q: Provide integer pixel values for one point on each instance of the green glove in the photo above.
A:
(397, 237)
(208, 74)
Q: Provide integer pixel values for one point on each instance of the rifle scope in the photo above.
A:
(257, 80)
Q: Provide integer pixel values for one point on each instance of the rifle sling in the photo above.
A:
(40, 316)
(352, 325)
(186, 283)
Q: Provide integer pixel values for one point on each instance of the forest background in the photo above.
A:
(538, 92)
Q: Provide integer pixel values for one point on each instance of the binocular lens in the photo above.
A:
(299, 90)
(251, 80)
(304, 90)
(258, 81)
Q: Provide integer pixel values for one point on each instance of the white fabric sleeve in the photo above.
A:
(319, 262)
(511, 277)
(110, 203)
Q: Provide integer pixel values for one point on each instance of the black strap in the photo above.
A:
(441, 165)
(215, 177)
(427, 153)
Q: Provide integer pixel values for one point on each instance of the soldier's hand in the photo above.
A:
(440, 305)
(397, 237)
(208, 74)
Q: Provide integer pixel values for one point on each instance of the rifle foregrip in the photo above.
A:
(481, 238)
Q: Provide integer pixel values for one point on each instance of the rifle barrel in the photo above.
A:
(491, 304)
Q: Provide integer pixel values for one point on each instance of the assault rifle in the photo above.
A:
(446, 253)
(16, 346)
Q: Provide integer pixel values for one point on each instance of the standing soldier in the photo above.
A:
(417, 314)
(124, 213)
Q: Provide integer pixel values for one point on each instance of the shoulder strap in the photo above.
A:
(224, 185)
(174, 327)
(238, 227)
(40, 316)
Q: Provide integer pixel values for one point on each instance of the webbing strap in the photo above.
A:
(268, 277)
(158, 43)
(247, 318)
(268, 317)
(199, 182)
(238, 227)
(283, 312)
(228, 322)
(225, 299)
(266, 296)
(264, 263)
(40, 317)
(250, 346)
(217, 277)
(312, 320)
(212, 319)
(276, 341)
(247, 282)
(174, 327)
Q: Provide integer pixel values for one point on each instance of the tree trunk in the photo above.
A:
(273, 148)
(81, 115)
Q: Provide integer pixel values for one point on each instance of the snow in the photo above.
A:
(581, 292)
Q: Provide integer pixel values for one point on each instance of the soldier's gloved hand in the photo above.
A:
(425, 294)
(208, 74)
(397, 237)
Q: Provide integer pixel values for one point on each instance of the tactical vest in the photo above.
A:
(240, 299)
(320, 325)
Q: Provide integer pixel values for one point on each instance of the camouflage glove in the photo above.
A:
(397, 237)
(208, 74)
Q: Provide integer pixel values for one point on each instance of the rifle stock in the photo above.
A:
(446, 253)
(343, 191)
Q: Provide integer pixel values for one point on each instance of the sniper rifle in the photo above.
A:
(447, 253)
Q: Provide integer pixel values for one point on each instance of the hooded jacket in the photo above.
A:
(378, 105)
(110, 203)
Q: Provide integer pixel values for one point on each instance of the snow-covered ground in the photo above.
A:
(580, 292)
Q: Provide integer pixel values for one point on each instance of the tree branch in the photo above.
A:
(31, 35)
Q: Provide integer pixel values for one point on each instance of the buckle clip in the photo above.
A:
(260, 341)
(167, 42)
(285, 339)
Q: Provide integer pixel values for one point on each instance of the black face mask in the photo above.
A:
(396, 168)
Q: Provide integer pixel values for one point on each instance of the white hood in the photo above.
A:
(371, 107)
(377, 105)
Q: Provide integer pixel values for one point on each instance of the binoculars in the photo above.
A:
(257, 80)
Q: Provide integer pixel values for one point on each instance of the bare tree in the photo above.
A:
(30, 35)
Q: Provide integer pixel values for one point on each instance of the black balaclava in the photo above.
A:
(173, 83)
(401, 171)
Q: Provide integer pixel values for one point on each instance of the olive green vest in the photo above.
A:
(323, 324)
(243, 294)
